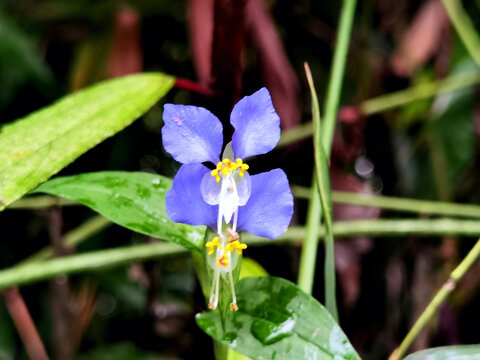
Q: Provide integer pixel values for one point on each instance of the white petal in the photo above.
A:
(210, 189)
(244, 187)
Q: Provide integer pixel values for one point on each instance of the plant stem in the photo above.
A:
(418, 92)
(297, 133)
(308, 255)
(339, 197)
(379, 228)
(45, 269)
(437, 300)
(39, 202)
(396, 203)
(464, 27)
(25, 325)
(309, 250)
(337, 72)
(322, 179)
(391, 101)
(73, 237)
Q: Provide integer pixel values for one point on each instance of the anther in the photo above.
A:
(212, 244)
(233, 307)
(232, 235)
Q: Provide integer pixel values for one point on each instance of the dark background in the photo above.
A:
(225, 50)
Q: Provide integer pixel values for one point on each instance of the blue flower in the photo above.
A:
(226, 199)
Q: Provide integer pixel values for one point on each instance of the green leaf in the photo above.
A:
(134, 200)
(118, 351)
(467, 352)
(277, 320)
(323, 184)
(251, 268)
(20, 62)
(35, 147)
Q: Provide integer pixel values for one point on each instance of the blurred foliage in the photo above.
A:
(427, 149)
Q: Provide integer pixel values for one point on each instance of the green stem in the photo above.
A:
(396, 203)
(339, 197)
(309, 250)
(45, 269)
(308, 256)
(322, 178)
(74, 237)
(391, 101)
(39, 202)
(379, 228)
(437, 300)
(418, 92)
(464, 27)
(336, 76)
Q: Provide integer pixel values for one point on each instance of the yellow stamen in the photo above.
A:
(212, 244)
(226, 166)
(236, 245)
(233, 307)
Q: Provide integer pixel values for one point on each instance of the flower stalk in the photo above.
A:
(437, 300)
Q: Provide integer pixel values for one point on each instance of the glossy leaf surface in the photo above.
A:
(39, 145)
(460, 352)
(277, 320)
(134, 200)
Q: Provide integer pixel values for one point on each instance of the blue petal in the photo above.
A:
(184, 202)
(269, 210)
(257, 125)
(191, 134)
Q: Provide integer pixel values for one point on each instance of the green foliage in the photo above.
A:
(134, 200)
(323, 183)
(279, 322)
(467, 352)
(41, 144)
(119, 351)
(251, 268)
(20, 62)
(7, 336)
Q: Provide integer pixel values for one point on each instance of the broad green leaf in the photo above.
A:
(276, 320)
(35, 147)
(251, 268)
(458, 352)
(134, 200)
(449, 137)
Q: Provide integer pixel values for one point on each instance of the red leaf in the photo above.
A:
(200, 24)
(125, 55)
(277, 73)
(422, 39)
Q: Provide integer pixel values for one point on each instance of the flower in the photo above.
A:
(226, 198)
